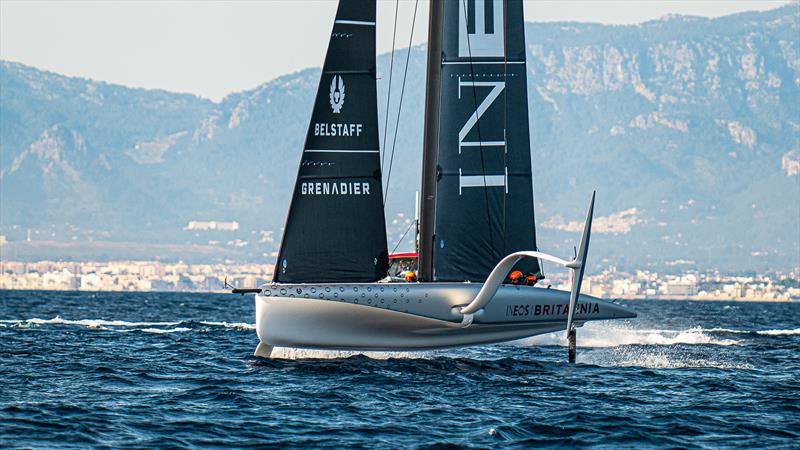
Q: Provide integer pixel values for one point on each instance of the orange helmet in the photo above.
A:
(531, 279)
(411, 276)
(515, 275)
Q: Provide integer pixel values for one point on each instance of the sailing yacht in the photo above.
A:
(476, 226)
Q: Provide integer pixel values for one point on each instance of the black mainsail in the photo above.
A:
(335, 230)
(482, 199)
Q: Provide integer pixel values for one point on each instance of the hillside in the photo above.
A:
(689, 128)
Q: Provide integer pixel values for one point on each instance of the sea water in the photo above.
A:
(176, 369)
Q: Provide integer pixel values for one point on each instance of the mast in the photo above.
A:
(430, 146)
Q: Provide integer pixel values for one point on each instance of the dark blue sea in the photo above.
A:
(175, 370)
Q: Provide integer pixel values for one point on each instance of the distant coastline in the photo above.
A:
(626, 298)
(157, 276)
(705, 299)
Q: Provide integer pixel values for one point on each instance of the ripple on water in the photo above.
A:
(147, 370)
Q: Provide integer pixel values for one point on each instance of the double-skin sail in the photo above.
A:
(477, 182)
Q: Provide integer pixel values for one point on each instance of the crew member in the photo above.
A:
(515, 277)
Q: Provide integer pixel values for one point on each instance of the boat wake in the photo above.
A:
(600, 335)
(127, 327)
(163, 330)
(793, 332)
(618, 345)
(610, 344)
(89, 323)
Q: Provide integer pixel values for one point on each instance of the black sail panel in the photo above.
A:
(335, 231)
(484, 192)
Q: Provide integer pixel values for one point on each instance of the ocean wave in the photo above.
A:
(796, 331)
(793, 332)
(89, 323)
(125, 326)
(163, 386)
(236, 325)
(165, 330)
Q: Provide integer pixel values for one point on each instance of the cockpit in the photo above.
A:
(403, 266)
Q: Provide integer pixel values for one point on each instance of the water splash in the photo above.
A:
(601, 335)
(659, 358)
(620, 345)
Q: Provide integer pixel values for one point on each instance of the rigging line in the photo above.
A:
(400, 106)
(480, 139)
(402, 237)
(505, 122)
(389, 90)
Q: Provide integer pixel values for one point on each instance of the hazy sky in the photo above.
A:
(212, 48)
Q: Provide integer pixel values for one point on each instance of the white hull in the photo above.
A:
(412, 316)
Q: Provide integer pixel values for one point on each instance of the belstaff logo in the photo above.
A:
(337, 94)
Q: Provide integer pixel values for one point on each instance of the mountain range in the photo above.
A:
(687, 127)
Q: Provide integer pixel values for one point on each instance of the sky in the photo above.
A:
(213, 48)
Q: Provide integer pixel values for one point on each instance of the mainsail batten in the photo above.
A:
(483, 207)
(335, 230)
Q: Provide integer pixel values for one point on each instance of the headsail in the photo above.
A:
(483, 192)
(336, 231)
